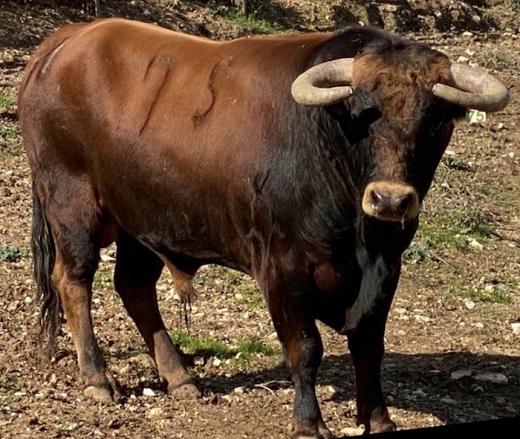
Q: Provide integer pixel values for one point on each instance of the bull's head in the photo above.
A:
(392, 113)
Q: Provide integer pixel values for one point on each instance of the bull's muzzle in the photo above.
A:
(390, 201)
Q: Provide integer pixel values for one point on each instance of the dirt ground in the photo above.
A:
(453, 335)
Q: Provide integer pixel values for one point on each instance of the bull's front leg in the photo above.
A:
(303, 350)
(366, 344)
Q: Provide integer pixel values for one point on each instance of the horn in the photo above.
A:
(319, 85)
(474, 89)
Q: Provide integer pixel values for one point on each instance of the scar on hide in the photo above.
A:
(158, 71)
(43, 64)
(49, 58)
(199, 117)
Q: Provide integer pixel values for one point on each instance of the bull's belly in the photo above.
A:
(173, 226)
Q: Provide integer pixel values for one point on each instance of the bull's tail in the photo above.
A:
(44, 256)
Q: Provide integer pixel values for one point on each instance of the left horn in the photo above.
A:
(474, 89)
(316, 86)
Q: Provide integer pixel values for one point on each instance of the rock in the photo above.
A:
(475, 244)
(332, 390)
(469, 304)
(495, 378)
(448, 400)
(107, 258)
(458, 374)
(148, 392)
(516, 328)
(351, 431)
(420, 393)
(156, 411)
(217, 362)
(422, 319)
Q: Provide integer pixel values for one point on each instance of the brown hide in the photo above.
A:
(163, 125)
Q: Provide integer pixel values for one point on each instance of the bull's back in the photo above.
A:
(160, 121)
(120, 68)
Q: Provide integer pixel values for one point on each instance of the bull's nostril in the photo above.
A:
(376, 197)
(404, 202)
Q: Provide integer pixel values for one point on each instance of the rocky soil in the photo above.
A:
(453, 335)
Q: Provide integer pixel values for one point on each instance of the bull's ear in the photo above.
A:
(362, 105)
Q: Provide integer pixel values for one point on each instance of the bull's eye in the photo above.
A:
(357, 126)
(370, 115)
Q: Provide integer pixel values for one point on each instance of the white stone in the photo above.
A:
(475, 244)
(496, 378)
(351, 431)
(469, 304)
(458, 374)
(156, 411)
(448, 400)
(148, 392)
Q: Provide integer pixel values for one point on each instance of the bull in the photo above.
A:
(301, 160)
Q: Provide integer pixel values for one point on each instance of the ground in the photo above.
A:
(453, 336)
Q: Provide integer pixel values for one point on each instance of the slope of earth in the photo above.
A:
(453, 336)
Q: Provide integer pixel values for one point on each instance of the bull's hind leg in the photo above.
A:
(136, 274)
(77, 225)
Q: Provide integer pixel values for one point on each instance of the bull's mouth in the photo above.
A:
(390, 201)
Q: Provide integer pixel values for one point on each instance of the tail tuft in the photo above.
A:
(44, 256)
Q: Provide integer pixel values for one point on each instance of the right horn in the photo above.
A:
(324, 84)
(473, 89)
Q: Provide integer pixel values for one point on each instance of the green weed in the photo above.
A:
(250, 23)
(252, 296)
(487, 294)
(7, 103)
(213, 348)
(471, 222)
(495, 61)
(416, 252)
(9, 131)
(102, 280)
(13, 254)
(247, 348)
(207, 348)
(437, 235)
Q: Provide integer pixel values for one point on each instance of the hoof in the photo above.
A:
(323, 434)
(184, 391)
(100, 394)
(385, 427)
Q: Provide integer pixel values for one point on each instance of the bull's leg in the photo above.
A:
(303, 350)
(76, 224)
(366, 344)
(136, 273)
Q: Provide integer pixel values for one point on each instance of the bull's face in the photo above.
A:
(398, 116)
(398, 131)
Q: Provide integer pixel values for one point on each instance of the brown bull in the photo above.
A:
(301, 160)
